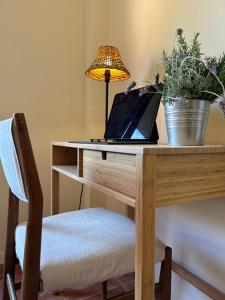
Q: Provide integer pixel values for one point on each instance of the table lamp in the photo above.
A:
(108, 66)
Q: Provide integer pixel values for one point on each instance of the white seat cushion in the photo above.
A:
(83, 247)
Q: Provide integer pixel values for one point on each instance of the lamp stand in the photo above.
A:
(107, 80)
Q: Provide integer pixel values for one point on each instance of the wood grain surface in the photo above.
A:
(145, 149)
(190, 177)
(117, 171)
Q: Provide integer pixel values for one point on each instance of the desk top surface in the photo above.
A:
(146, 149)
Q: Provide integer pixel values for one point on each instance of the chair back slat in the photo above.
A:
(26, 159)
(20, 169)
(9, 160)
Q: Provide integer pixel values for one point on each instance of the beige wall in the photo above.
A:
(41, 74)
(45, 48)
(141, 29)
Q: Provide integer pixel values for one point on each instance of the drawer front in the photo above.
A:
(113, 170)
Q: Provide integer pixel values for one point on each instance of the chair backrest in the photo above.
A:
(9, 160)
(17, 158)
(21, 173)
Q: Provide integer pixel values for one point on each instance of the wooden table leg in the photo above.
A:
(145, 228)
(130, 212)
(55, 193)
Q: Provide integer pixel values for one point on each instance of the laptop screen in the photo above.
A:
(133, 116)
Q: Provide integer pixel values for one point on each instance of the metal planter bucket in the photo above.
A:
(186, 122)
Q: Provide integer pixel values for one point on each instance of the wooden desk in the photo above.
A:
(144, 177)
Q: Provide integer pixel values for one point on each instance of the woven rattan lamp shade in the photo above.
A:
(108, 58)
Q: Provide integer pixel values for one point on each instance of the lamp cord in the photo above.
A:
(81, 193)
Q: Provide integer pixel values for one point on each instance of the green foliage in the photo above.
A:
(220, 71)
(188, 74)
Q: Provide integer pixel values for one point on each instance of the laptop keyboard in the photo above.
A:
(115, 142)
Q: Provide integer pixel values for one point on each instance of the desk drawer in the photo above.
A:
(113, 170)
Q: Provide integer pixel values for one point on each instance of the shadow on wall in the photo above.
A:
(201, 248)
(216, 126)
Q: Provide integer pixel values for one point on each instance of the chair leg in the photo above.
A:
(165, 275)
(104, 290)
(10, 255)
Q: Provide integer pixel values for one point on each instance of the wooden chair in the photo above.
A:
(80, 228)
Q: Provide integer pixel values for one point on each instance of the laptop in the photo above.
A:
(132, 119)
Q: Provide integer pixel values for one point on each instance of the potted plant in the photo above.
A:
(191, 84)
